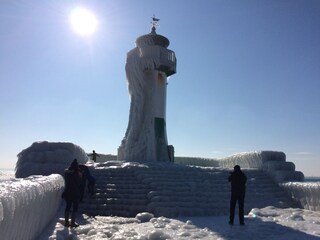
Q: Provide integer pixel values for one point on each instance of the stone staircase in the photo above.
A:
(125, 189)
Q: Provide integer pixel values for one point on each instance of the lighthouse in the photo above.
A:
(148, 66)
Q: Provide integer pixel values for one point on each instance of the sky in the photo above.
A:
(248, 76)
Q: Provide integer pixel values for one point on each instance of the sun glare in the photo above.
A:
(83, 21)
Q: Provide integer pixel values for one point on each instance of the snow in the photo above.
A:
(266, 223)
(45, 158)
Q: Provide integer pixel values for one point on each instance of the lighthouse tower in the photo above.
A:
(147, 68)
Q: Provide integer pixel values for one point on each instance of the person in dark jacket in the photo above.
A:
(71, 193)
(86, 176)
(94, 155)
(84, 172)
(91, 184)
(238, 189)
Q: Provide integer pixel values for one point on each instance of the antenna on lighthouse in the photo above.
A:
(154, 23)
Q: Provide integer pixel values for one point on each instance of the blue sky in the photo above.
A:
(248, 76)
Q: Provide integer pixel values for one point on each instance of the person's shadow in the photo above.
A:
(64, 231)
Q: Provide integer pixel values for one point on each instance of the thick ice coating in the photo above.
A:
(45, 158)
(27, 205)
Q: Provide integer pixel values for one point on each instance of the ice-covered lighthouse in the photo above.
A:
(147, 68)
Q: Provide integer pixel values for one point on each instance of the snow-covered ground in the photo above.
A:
(266, 223)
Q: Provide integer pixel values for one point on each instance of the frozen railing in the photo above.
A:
(28, 205)
(165, 58)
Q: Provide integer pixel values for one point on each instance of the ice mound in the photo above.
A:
(144, 217)
(45, 158)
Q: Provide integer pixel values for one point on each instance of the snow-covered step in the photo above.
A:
(172, 190)
(118, 193)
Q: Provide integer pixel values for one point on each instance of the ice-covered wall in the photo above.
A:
(27, 205)
(197, 161)
(306, 193)
(272, 162)
(254, 159)
(45, 158)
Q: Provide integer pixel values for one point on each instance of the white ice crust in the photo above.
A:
(272, 162)
(306, 193)
(254, 159)
(27, 205)
(45, 158)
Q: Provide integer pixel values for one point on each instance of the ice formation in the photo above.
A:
(306, 193)
(252, 159)
(33, 201)
(28, 205)
(147, 68)
(45, 158)
(272, 162)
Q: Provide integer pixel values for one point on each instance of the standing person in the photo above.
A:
(71, 193)
(94, 155)
(91, 184)
(238, 189)
(84, 176)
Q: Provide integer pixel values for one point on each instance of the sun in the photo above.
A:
(83, 21)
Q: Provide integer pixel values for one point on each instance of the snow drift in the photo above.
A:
(27, 205)
(45, 158)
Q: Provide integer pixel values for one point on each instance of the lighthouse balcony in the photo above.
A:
(166, 58)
